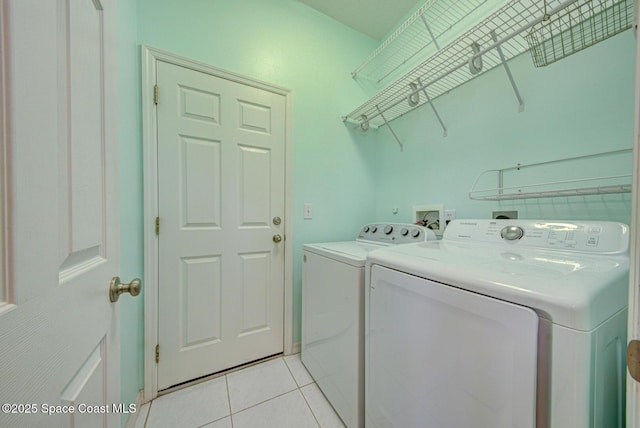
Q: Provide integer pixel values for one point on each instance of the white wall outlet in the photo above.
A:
(449, 215)
(307, 211)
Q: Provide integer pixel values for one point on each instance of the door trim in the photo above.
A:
(150, 56)
(633, 322)
(5, 296)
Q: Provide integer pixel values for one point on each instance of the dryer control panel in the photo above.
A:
(602, 237)
(395, 233)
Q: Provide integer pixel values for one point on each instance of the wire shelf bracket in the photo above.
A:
(390, 129)
(607, 184)
(508, 70)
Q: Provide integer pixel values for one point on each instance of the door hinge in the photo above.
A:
(155, 94)
(157, 354)
(157, 225)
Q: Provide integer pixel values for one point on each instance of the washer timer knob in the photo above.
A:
(512, 233)
(415, 233)
(388, 229)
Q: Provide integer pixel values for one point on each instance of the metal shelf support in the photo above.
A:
(508, 70)
(424, 89)
(390, 128)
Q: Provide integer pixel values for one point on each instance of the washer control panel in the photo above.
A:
(586, 236)
(395, 233)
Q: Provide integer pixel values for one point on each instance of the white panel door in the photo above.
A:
(221, 184)
(58, 330)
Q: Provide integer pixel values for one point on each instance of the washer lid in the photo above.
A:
(371, 237)
(350, 252)
(573, 289)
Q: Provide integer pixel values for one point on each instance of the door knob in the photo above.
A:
(116, 288)
(277, 238)
(633, 359)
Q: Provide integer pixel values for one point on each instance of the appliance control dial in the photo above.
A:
(388, 229)
(366, 229)
(512, 233)
(415, 233)
(374, 229)
(404, 231)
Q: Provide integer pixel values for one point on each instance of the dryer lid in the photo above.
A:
(574, 288)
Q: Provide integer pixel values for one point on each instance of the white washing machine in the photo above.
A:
(501, 324)
(333, 312)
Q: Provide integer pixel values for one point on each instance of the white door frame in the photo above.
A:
(149, 148)
(4, 174)
(633, 387)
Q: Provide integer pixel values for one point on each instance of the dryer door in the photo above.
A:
(444, 357)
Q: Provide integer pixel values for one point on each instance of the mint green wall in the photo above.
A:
(130, 174)
(580, 105)
(284, 42)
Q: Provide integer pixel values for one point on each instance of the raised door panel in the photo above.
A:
(82, 145)
(200, 299)
(254, 182)
(201, 185)
(254, 284)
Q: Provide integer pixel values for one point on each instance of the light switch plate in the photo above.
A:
(307, 211)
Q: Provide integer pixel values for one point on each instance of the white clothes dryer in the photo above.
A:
(333, 312)
(501, 324)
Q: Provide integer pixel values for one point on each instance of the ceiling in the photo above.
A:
(375, 18)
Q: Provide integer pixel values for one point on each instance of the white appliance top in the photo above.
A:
(371, 237)
(573, 273)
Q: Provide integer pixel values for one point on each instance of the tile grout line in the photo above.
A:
(304, 397)
(226, 384)
(300, 389)
(146, 418)
(265, 401)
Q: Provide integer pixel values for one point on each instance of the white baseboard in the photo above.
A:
(295, 348)
(132, 421)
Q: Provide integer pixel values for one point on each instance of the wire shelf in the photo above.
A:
(469, 55)
(579, 26)
(559, 28)
(582, 186)
(421, 35)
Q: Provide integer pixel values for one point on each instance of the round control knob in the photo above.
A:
(415, 233)
(366, 229)
(374, 229)
(511, 233)
(388, 229)
(404, 231)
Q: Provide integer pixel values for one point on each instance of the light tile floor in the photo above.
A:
(278, 393)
